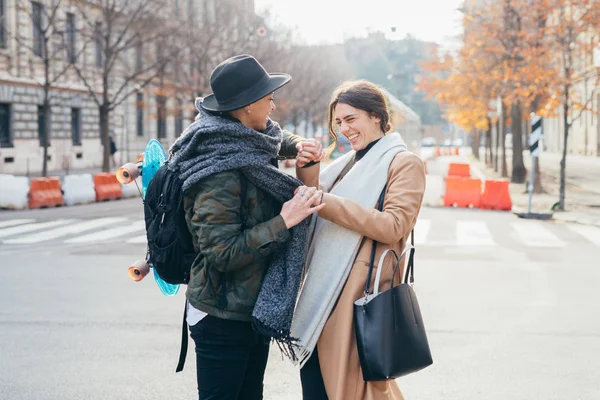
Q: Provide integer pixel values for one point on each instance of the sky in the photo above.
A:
(330, 21)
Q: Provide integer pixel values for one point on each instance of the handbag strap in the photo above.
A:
(409, 276)
(374, 249)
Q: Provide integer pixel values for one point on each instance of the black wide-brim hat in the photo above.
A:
(239, 81)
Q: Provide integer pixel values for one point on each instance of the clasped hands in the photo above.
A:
(309, 150)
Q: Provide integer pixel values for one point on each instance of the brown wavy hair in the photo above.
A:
(363, 95)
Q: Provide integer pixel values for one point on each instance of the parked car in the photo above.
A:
(343, 146)
(428, 142)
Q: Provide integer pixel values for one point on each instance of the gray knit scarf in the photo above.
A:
(213, 144)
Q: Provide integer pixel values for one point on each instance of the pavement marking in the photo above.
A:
(473, 233)
(591, 233)
(13, 222)
(109, 233)
(70, 229)
(421, 230)
(15, 230)
(534, 234)
(138, 240)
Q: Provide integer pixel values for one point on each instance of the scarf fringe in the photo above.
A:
(287, 344)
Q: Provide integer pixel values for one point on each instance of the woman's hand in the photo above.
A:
(309, 150)
(301, 205)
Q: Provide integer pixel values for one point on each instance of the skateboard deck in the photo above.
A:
(153, 158)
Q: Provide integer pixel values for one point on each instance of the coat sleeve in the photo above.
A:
(288, 144)
(404, 194)
(216, 223)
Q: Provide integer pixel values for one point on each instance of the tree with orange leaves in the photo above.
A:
(573, 32)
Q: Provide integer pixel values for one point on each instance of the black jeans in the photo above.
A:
(313, 387)
(230, 359)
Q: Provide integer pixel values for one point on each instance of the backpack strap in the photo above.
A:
(184, 340)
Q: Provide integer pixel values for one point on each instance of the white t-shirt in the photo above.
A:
(194, 315)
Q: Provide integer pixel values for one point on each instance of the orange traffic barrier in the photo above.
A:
(496, 195)
(107, 187)
(45, 192)
(462, 192)
(459, 169)
(456, 151)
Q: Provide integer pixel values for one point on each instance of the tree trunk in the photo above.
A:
(499, 129)
(503, 144)
(104, 137)
(519, 172)
(563, 161)
(46, 110)
(475, 143)
(45, 135)
(488, 145)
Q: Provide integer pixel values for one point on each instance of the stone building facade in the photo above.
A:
(74, 131)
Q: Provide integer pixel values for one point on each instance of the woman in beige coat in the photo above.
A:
(340, 250)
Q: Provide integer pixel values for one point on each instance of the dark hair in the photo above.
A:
(363, 95)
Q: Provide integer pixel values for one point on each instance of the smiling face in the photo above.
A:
(259, 113)
(357, 125)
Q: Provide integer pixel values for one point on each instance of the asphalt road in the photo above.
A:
(511, 309)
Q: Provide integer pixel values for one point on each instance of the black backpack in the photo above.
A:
(170, 248)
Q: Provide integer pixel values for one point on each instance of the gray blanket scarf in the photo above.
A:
(213, 144)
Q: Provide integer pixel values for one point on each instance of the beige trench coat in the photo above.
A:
(338, 354)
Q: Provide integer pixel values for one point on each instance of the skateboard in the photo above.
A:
(146, 166)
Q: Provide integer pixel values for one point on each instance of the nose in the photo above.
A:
(273, 107)
(344, 128)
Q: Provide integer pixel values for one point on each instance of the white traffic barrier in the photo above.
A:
(78, 189)
(131, 189)
(13, 191)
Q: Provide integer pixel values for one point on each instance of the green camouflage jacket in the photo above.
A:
(236, 228)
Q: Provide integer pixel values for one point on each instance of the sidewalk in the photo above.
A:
(582, 191)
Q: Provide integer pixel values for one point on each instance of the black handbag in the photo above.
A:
(390, 334)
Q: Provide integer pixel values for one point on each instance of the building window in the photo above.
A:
(139, 115)
(42, 126)
(37, 16)
(5, 136)
(71, 35)
(2, 22)
(76, 126)
(178, 118)
(161, 117)
(99, 48)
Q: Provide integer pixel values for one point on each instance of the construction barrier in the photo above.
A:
(447, 151)
(13, 192)
(45, 192)
(496, 195)
(79, 189)
(459, 169)
(462, 192)
(107, 187)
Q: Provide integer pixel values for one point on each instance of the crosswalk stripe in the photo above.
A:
(13, 222)
(109, 233)
(534, 234)
(473, 233)
(591, 233)
(15, 230)
(70, 229)
(421, 230)
(138, 240)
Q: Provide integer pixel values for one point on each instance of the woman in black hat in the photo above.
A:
(249, 228)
